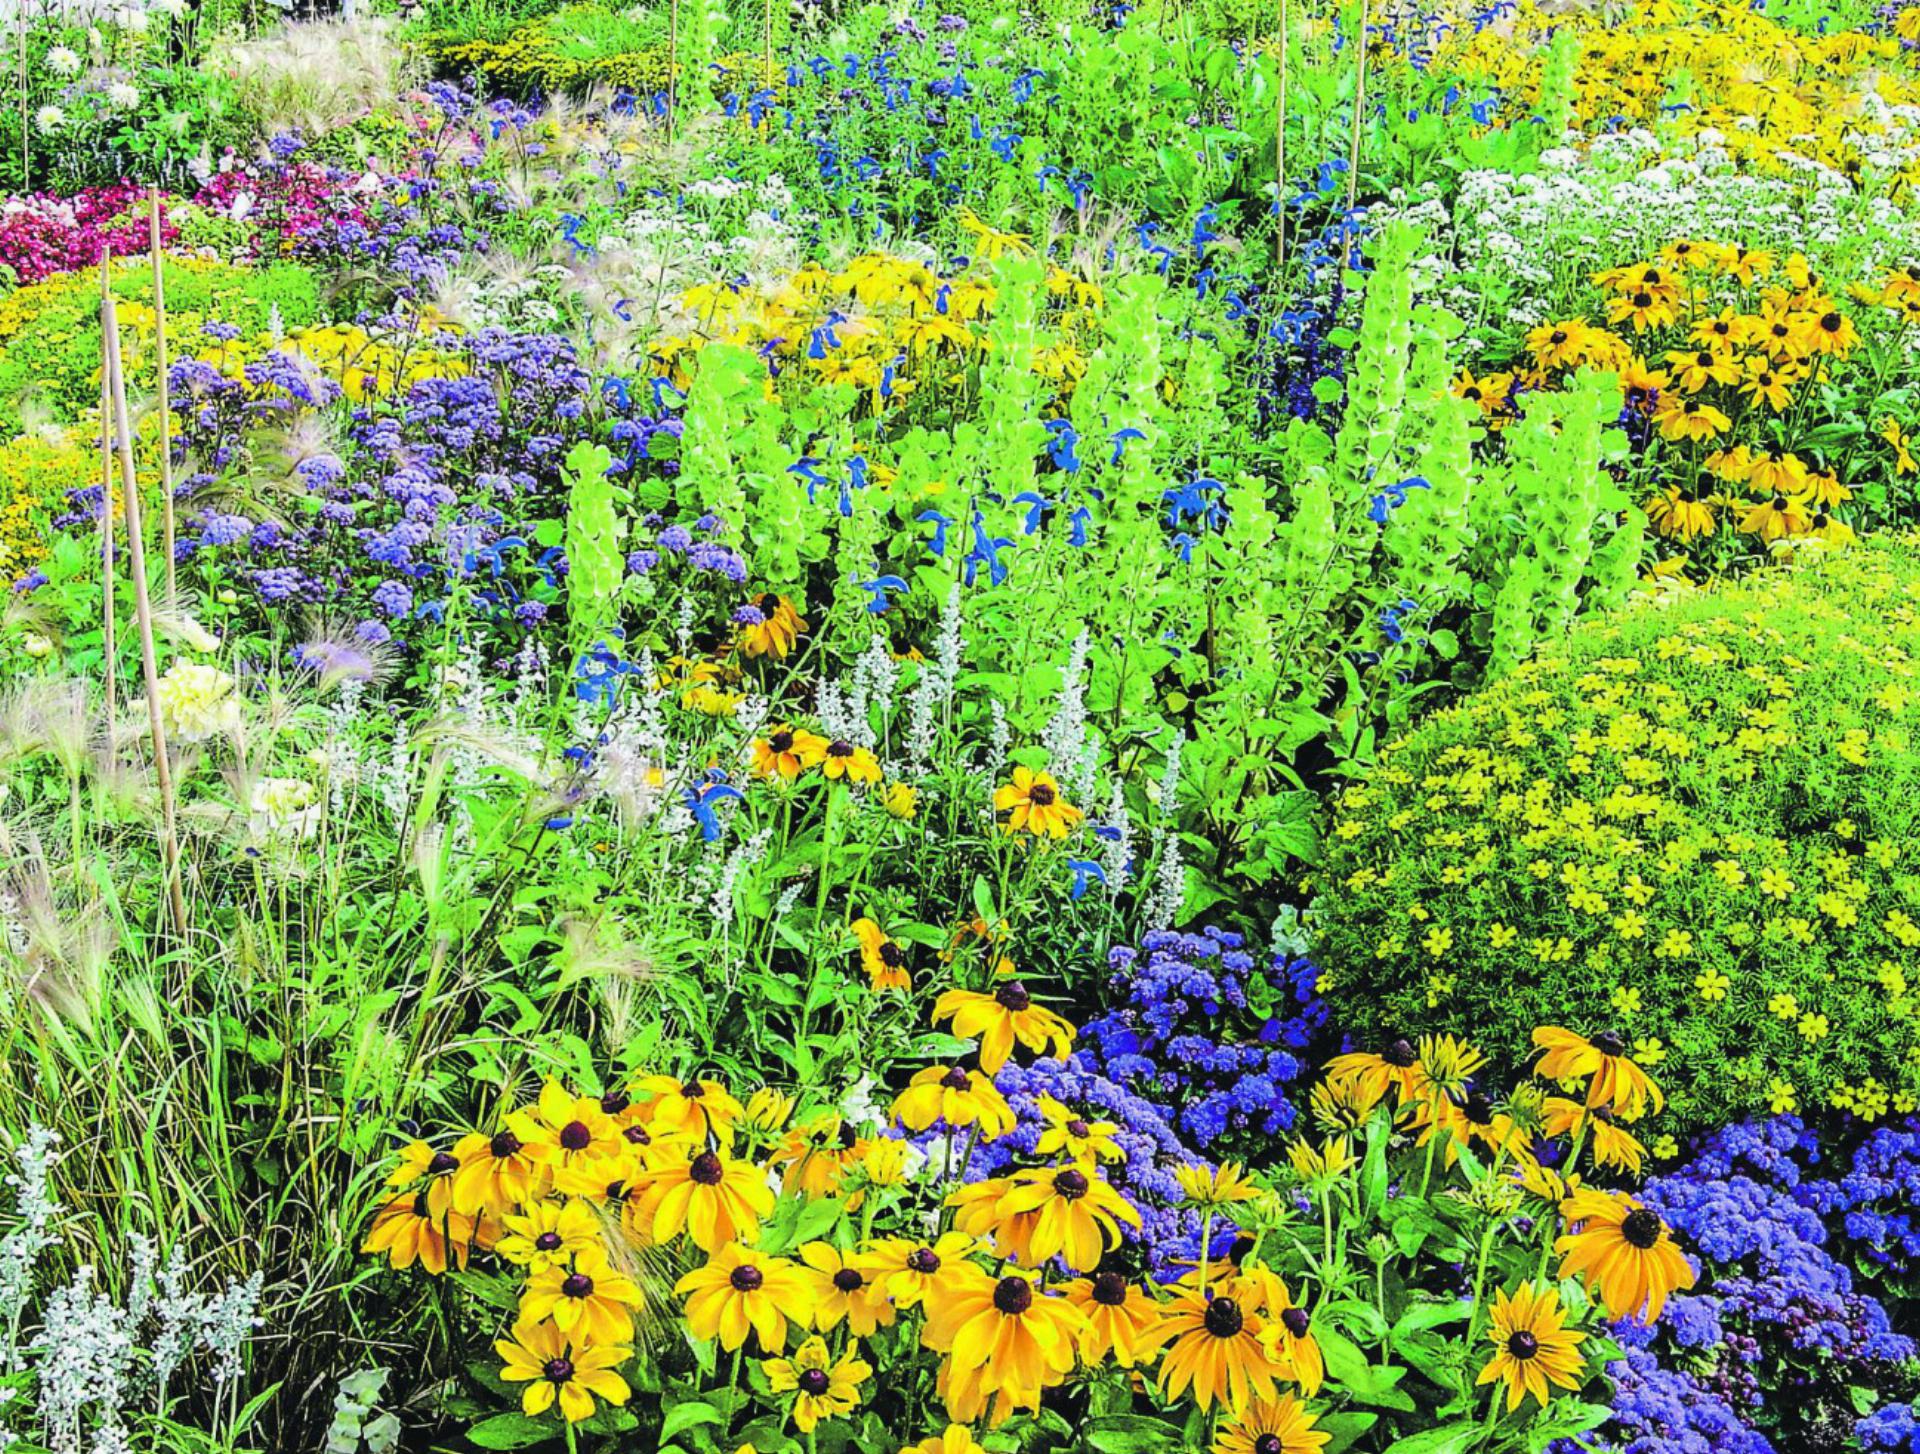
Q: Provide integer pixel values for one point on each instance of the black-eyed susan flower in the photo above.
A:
(742, 1291)
(1533, 1347)
(1679, 514)
(1778, 517)
(1826, 331)
(590, 1302)
(703, 1192)
(555, 1369)
(912, 1272)
(1033, 803)
(956, 1097)
(787, 751)
(1903, 461)
(691, 1109)
(815, 1158)
(1007, 1340)
(843, 760)
(1623, 1251)
(980, 1213)
(999, 1019)
(1642, 307)
(846, 1292)
(428, 1171)
(1561, 345)
(1768, 383)
(1395, 1067)
(1065, 1132)
(1695, 369)
(1214, 1352)
(1078, 1213)
(572, 1139)
(1214, 1186)
(406, 1231)
(1681, 418)
(1611, 1143)
(1287, 1336)
(823, 1387)
(549, 1234)
(1601, 1060)
(901, 800)
(768, 1110)
(1829, 529)
(1271, 1426)
(496, 1173)
(881, 956)
(770, 626)
(958, 1439)
(1120, 1320)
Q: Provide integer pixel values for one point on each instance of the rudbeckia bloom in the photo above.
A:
(978, 1213)
(1032, 803)
(788, 751)
(769, 627)
(573, 1138)
(914, 1272)
(1779, 517)
(901, 801)
(1679, 418)
(1623, 1251)
(1679, 514)
(1068, 1133)
(1215, 1351)
(999, 1019)
(1079, 1213)
(816, 1156)
(713, 1198)
(418, 1162)
(769, 1109)
(1332, 1158)
(1005, 1337)
(1828, 331)
(1282, 1426)
(1120, 1320)
(846, 1292)
(1532, 1346)
(555, 1369)
(549, 1234)
(883, 959)
(1395, 1068)
(823, 1386)
(742, 1291)
(1214, 1186)
(958, 1439)
(855, 764)
(591, 1303)
(496, 1173)
(956, 1096)
(1615, 1080)
(1611, 1144)
(407, 1231)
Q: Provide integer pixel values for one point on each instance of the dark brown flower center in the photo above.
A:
(503, 1145)
(1110, 1289)
(558, 1370)
(813, 1382)
(1223, 1318)
(1013, 1296)
(848, 1279)
(1079, 1129)
(781, 742)
(891, 956)
(1642, 1228)
(923, 1260)
(1013, 996)
(614, 1102)
(955, 1079)
(1523, 1345)
(1479, 1108)
(578, 1285)
(1609, 1042)
(839, 749)
(443, 1162)
(547, 1242)
(575, 1136)
(1071, 1184)
(1040, 795)
(1643, 300)
(1296, 1321)
(1400, 1054)
(706, 1169)
(746, 1278)
(1269, 1444)
(637, 1136)
(1831, 322)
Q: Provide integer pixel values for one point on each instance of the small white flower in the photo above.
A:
(197, 701)
(123, 96)
(49, 119)
(63, 62)
(133, 22)
(284, 805)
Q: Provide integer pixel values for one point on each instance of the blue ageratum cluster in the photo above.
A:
(1203, 1032)
(1782, 1339)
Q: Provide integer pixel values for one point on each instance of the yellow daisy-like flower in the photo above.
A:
(955, 1096)
(1068, 1133)
(572, 1138)
(1078, 1213)
(999, 1019)
(1032, 803)
(846, 1292)
(853, 764)
(1006, 1339)
(555, 1369)
(788, 751)
(1215, 1351)
(549, 1234)
(1120, 1320)
(822, 1385)
(592, 1303)
(1533, 1348)
(958, 1439)
(881, 956)
(714, 1199)
(1623, 1251)
(1281, 1426)
(1214, 1186)
(743, 1291)
(770, 627)
(1602, 1060)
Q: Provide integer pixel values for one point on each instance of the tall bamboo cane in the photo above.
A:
(160, 353)
(1359, 115)
(107, 611)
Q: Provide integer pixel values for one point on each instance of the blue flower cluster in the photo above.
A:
(1202, 1031)
(1661, 1411)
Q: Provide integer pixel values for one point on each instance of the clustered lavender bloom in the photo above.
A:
(1201, 1032)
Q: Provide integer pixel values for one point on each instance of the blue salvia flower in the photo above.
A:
(804, 467)
(1062, 440)
(1121, 439)
(1393, 497)
(877, 589)
(702, 800)
(1077, 537)
(941, 524)
(1084, 871)
(986, 551)
(1183, 544)
(1037, 506)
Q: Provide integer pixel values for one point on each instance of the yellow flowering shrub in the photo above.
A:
(1691, 824)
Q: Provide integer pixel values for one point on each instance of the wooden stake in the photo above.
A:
(160, 352)
(107, 611)
(673, 60)
(1280, 161)
(1359, 115)
(143, 613)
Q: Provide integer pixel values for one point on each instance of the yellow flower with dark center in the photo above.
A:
(1679, 418)
(1033, 803)
(496, 1173)
(788, 751)
(549, 1234)
(589, 1302)
(915, 1272)
(999, 1019)
(1624, 1252)
(1279, 1426)
(420, 1162)
(1560, 345)
(854, 764)
(816, 1156)
(1068, 1133)
(1120, 1320)
(1006, 1338)
(1694, 369)
(1214, 1352)
(557, 1370)
(846, 1292)
(1641, 385)
(1612, 1078)
(1776, 470)
(1079, 1213)
(823, 1386)
(1533, 1347)
(1396, 1067)
(1679, 514)
(1643, 307)
(1214, 1186)
(406, 1231)
(769, 627)
(1287, 1337)
(1779, 517)
(714, 1199)
(573, 1139)
(1826, 331)
(978, 1212)
(882, 957)
(743, 1291)
(688, 1109)
(1830, 529)
(956, 1096)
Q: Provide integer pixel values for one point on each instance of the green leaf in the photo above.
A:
(1563, 1419)
(1346, 1429)
(691, 1413)
(1448, 1439)
(1130, 1434)
(508, 1431)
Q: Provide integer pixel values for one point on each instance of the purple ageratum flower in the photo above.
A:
(394, 598)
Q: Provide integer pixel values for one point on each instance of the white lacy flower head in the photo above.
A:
(284, 807)
(49, 119)
(123, 95)
(197, 701)
(63, 61)
(134, 22)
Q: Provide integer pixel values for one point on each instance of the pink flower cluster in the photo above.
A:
(42, 234)
(284, 203)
